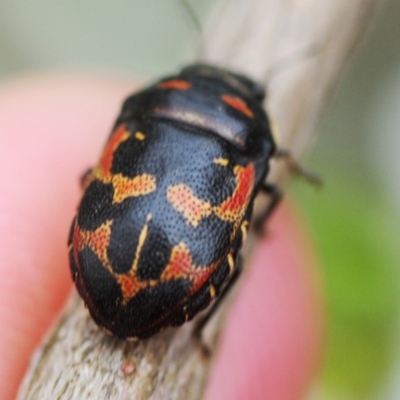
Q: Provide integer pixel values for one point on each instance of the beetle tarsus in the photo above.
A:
(275, 194)
(86, 178)
(201, 323)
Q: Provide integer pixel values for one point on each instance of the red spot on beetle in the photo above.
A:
(123, 187)
(129, 282)
(181, 266)
(184, 201)
(178, 84)
(180, 263)
(132, 187)
(130, 285)
(238, 104)
(97, 240)
(232, 209)
(103, 169)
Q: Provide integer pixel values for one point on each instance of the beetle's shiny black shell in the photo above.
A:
(165, 210)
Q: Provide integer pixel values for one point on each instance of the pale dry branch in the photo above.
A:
(77, 361)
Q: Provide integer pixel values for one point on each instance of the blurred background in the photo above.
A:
(355, 218)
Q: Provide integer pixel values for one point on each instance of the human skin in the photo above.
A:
(52, 128)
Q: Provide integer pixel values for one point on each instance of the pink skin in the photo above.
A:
(52, 129)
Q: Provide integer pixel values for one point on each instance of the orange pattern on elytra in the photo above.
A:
(180, 265)
(232, 209)
(103, 169)
(184, 201)
(97, 241)
(130, 286)
(238, 104)
(132, 187)
(221, 161)
(178, 84)
(123, 187)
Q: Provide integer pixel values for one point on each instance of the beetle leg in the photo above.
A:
(275, 194)
(201, 323)
(296, 168)
(86, 178)
(274, 191)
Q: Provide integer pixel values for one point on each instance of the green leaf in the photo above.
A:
(355, 232)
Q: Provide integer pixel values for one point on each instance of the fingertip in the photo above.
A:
(272, 344)
(52, 128)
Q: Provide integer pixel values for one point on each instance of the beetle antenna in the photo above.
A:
(195, 20)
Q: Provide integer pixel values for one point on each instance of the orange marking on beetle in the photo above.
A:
(142, 238)
(238, 104)
(103, 169)
(184, 201)
(231, 262)
(213, 291)
(235, 206)
(130, 286)
(201, 275)
(221, 161)
(97, 240)
(129, 282)
(140, 136)
(232, 209)
(244, 227)
(178, 84)
(180, 263)
(181, 266)
(132, 187)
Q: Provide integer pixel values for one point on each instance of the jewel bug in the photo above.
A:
(165, 211)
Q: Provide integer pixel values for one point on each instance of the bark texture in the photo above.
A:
(303, 47)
